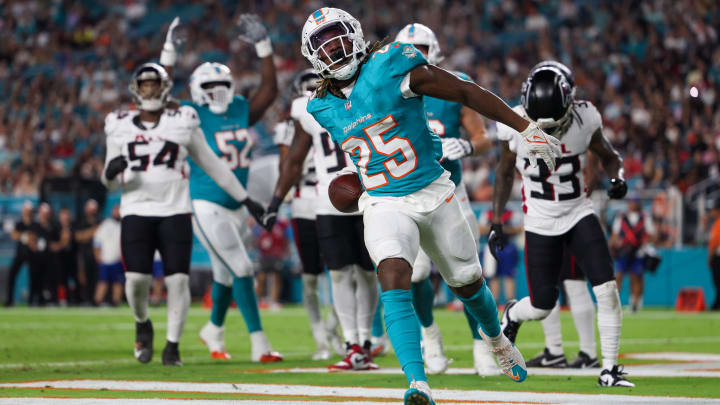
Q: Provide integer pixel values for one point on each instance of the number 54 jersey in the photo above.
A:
(155, 182)
(554, 202)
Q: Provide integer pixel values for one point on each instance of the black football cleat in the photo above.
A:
(171, 355)
(509, 327)
(545, 359)
(143, 341)
(614, 378)
(584, 360)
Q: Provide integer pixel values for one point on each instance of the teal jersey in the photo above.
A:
(444, 118)
(386, 135)
(227, 135)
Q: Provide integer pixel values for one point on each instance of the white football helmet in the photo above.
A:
(212, 84)
(419, 34)
(322, 36)
(150, 71)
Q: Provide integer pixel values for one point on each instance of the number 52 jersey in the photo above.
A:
(554, 202)
(155, 183)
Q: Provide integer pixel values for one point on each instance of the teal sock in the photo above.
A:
(482, 306)
(472, 322)
(422, 296)
(404, 333)
(377, 324)
(244, 294)
(221, 297)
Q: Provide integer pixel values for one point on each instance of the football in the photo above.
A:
(344, 192)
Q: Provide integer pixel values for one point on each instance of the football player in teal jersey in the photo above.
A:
(371, 103)
(446, 118)
(219, 222)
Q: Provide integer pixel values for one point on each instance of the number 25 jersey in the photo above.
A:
(382, 126)
(554, 202)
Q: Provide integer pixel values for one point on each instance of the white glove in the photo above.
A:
(254, 32)
(456, 148)
(168, 56)
(536, 143)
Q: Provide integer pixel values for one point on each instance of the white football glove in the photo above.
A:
(168, 56)
(456, 148)
(536, 143)
(254, 32)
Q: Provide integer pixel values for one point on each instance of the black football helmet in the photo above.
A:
(547, 96)
(305, 81)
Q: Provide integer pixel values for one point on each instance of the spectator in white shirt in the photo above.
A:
(107, 253)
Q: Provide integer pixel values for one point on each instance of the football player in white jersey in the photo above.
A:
(354, 284)
(558, 213)
(303, 204)
(146, 158)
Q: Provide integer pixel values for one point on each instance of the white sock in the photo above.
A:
(609, 321)
(137, 288)
(331, 320)
(553, 333)
(310, 298)
(366, 295)
(583, 313)
(178, 303)
(344, 301)
(259, 342)
(525, 311)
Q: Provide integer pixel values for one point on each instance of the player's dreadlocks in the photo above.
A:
(328, 85)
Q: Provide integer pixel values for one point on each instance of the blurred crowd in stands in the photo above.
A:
(651, 67)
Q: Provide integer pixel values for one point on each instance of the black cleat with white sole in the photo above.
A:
(509, 327)
(584, 360)
(546, 359)
(614, 377)
(143, 341)
(171, 355)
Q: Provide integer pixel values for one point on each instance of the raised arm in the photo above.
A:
(611, 162)
(433, 81)
(254, 32)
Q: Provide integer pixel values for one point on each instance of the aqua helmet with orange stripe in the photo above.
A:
(332, 40)
(422, 36)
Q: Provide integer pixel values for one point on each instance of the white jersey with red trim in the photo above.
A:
(156, 180)
(328, 157)
(305, 195)
(554, 202)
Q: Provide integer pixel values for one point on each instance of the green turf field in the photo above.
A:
(88, 343)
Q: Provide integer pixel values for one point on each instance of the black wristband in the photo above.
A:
(275, 203)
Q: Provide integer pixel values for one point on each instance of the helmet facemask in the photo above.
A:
(218, 96)
(335, 49)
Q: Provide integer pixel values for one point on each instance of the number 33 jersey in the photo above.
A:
(554, 202)
(155, 183)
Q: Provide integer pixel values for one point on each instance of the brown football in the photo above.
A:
(344, 192)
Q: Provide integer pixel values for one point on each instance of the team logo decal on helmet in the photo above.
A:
(332, 40)
(420, 35)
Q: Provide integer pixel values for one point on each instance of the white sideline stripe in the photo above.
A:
(108, 401)
(352, 392)
(664, 370)
(674, 356)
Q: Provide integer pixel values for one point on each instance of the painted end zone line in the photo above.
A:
(350, 393)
